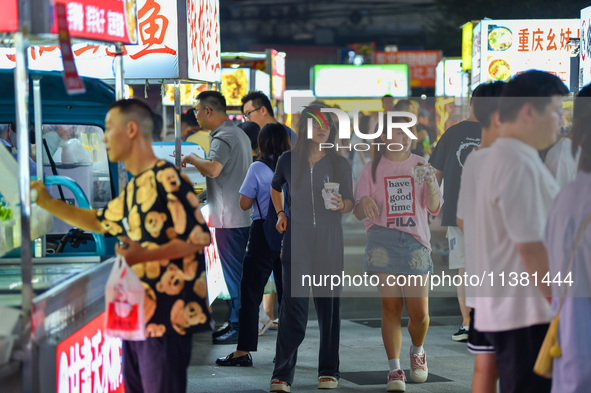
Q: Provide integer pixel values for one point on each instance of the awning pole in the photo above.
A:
(40, 245)
(21, 84)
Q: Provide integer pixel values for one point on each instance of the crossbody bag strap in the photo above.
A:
(258, 207)
(571, 259)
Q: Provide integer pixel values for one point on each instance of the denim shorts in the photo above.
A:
(389, 250)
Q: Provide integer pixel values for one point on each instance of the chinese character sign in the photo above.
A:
(421, 63)
(155, 55)
(102, 20)
(89, 361)
(585, 52)
(510, 47)
(9, 20)
(203, 30)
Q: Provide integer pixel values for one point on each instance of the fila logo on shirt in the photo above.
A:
(400, 222)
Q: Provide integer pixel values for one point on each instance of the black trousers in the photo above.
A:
(316, 250)
(158, 364)
(258, 264)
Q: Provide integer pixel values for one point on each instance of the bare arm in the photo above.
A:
(278, 205)
(366, 207)
(76, 216)
(245, 202)
(208, 168)
(134, 253)
(460, 223)
(534, 258)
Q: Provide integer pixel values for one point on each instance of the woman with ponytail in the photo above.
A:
(395, 205)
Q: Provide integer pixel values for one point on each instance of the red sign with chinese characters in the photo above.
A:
(9, 20)
(422, 64)
(89, 361)
(101, 20)
(74, 84)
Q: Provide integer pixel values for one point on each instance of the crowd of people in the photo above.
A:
(502, 170)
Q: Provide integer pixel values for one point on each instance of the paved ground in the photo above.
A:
(363, 361)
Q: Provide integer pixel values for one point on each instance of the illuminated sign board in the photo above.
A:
(361, 81)
(101, 20)
(90, 361)
(422, 64)
(509, 47)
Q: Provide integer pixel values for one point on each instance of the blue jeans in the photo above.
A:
(232, 247)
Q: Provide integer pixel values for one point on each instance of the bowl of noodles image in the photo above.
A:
(499, 38)
(499, 69)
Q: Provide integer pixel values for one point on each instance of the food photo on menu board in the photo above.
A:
(500, 38)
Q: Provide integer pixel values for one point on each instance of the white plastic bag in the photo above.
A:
(124, 303)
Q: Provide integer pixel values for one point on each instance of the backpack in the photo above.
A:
(274, 238)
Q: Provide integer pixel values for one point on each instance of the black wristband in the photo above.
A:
(280, 211)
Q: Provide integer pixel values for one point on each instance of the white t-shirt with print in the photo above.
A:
(514, 195)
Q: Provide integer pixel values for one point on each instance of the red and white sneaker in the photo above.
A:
(396, 381)
(418, 367)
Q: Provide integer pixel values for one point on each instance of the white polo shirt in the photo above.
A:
(513, 200)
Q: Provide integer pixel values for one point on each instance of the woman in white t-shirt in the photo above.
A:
(398, 247)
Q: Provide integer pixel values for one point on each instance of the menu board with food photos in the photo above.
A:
(509, 47)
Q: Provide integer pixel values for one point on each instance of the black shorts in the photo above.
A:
(477, 341)
(516, 352)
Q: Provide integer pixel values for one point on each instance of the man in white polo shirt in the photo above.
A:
(513, 199)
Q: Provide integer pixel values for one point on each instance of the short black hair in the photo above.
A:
(476, 93)
(189, 118)
(214, 100)
(534, 87)
(259, 99)
(487, 103)
(273, 140)
(138, 111)
(252, 131)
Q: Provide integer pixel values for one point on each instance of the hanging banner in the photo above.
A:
(585, 49)
(203, 37)
(72, 80)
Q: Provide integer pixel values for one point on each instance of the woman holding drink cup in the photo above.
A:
(395, 193)
(320, 188)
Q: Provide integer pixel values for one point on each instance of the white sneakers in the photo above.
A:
(418, 367)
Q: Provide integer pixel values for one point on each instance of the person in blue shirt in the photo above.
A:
(260, 259)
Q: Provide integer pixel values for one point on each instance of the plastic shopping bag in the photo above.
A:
(124, 300)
